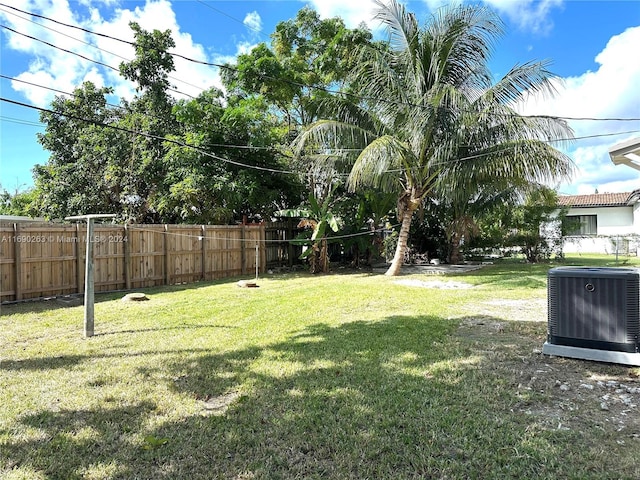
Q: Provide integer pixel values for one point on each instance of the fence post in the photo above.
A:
(17, 258)
(127, 258)
(288, 237)
(79, 263)
(243, 250)
(203, 263)
(165, 245)
(263, 246)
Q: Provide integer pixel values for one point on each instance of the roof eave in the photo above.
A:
(626, 153)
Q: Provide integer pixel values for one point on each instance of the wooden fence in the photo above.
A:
(43, 260)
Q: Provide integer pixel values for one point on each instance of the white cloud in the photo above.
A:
(253, 21)
(598, 172)
(64, 71)
(37, 96)
(611, 91)
(353, 13)
(531, 15)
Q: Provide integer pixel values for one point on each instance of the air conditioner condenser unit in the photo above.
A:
(594, 314)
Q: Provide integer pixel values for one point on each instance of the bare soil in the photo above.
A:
(557, 393)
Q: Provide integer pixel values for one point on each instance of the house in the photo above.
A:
(602, 222)
(606, 222)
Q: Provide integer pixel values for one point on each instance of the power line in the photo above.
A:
(149, 135)
(91, 45)
(220, 145)
(13, 79)
(233, 18)
(81, 56)
(20, 121)
(271, 170)
(315, 87)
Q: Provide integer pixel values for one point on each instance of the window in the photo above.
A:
(581, 224)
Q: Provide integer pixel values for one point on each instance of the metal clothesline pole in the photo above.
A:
(89, 291)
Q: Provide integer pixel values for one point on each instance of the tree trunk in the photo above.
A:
(403, 237)
(456, 255)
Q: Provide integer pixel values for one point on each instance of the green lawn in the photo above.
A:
(336, 376)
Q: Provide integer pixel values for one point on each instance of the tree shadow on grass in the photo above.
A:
(64, 444)
(401, 398)
(46, 304)
(70, 361)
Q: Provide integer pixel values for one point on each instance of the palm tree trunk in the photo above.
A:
(456, 255)
(403, 237)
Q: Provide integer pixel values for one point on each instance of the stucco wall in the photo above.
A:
(613, 220)
(618, 228)
(609, 245)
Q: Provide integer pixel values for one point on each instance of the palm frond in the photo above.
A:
(331, 135)
(381, 165)
(402, 26)
(521, 80)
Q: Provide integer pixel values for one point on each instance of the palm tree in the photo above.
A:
(429, 117)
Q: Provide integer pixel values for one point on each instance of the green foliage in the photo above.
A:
(18, 203)
(533, 226)
(364, 215)
(319, 218)
(540, 208)
(152, 64)
(307, 51)
(439, 126)
(86, 162)
(210, 184)
(192, 178)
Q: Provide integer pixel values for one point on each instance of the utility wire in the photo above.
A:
(82, 56)
(21, 121)
(266, 241)
(220, 145)
(233, 18)
(270, 170)
(315, 87)
(149, 135)
(93, 46)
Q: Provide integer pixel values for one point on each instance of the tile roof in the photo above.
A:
(595, 200)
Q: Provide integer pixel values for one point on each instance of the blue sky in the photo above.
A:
(593, 46)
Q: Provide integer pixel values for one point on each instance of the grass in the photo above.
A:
(337, 376)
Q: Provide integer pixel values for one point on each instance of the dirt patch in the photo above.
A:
(556, 393)
(435, 284)
(219, 404)
(531, 310)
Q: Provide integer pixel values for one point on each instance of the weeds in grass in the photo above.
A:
(337, 376)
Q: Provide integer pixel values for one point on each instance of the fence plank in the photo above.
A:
(127, 259)
(48, 259)
(17, 257)
(8, 280)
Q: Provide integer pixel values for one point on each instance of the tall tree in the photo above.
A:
(419, 93)
(233, 172)
(150, 113)
(105, 159)
(79, 176)
(309, 58)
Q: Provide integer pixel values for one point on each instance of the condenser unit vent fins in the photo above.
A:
(594, 308)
